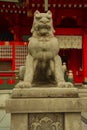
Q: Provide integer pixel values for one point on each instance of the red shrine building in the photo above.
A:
(70, 23)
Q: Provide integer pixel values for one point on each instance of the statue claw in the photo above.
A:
(23, 84)
(65, 85)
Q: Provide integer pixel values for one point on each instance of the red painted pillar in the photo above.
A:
(13, 56)
(16, 33)
(85, 57)
(17, 27)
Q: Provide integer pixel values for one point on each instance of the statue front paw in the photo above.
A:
(65, 85)
(23, 84)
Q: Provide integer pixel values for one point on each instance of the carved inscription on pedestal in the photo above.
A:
(46, 121)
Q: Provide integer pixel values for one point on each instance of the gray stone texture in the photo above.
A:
(45, 106)
(73, 121)
(46, 121)
(43, 64)
(35, 105)
(19, 121)
(45, 92)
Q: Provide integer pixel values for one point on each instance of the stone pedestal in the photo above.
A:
(46, 109)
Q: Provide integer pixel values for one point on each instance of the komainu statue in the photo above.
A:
(43, 64)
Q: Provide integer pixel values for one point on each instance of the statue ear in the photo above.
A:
(36, 12)
(49, 12)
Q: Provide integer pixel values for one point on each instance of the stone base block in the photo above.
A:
(73, 121)
(46, 109)
(84, 86)
(19, 121)
(45, 92)
(46, 121)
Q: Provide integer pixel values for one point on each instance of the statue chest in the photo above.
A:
(44, 44)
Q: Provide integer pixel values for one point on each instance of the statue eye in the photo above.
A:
(49, 17)
(38, 16)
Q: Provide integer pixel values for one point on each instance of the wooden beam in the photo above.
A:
(83, 2)
(46, 5)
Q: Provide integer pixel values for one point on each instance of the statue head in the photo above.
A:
(42, 24)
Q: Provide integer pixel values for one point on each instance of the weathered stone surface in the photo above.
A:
(45, 92)
(35, 105)
(19, 121)
(43, 64)
(49, 108)
(73, 121)
(31, 108)
(46, 121)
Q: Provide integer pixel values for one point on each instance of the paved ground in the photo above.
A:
(5, 120)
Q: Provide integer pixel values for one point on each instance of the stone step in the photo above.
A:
(4, 94)
(83, 92)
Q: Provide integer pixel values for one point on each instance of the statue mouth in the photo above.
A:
(44, 26)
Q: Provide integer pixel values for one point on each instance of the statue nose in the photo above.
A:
(44, 20)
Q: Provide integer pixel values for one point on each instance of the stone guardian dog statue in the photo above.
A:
(43, 64)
